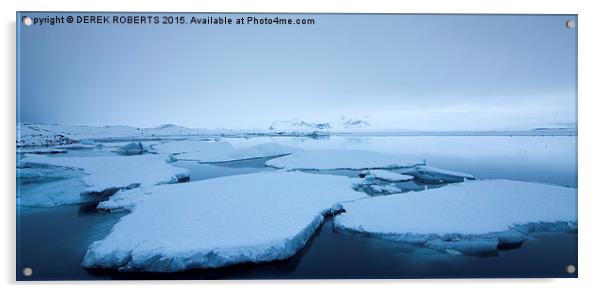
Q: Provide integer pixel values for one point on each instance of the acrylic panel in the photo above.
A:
(295, 146)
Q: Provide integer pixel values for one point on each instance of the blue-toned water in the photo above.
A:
(544, 159)
(52, 241)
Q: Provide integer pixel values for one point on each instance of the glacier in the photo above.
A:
(107, 174)
(342, 124)
(471, 217)
(218, 222)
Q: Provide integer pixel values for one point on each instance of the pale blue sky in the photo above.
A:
(421, 72)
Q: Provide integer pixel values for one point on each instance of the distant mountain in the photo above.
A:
(553, 128)
(40, 135)
(350, 123)
(297, 125)
(33, 134)
(170, 129)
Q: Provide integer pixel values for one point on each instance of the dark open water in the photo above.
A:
(52, 241)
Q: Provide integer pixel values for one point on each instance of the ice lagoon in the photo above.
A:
(330, 253)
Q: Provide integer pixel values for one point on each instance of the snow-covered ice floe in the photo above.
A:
(111, 173)
(222, 151)
(218, 222)
(338, 160)
(472, 217)
(387, 175)
(430, 174)
(52, 193)
(38, 173)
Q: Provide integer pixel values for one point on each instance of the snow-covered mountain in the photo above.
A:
(40, 135)
(297, 125)
(351, 123)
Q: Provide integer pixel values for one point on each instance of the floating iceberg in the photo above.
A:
(213, 223)
(387, 175)
(111, 173)
(117, 145)
(337, 160)
(470, 217)
(132, 148)
(209, 151)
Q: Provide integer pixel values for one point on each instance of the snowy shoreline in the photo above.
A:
(31, 135)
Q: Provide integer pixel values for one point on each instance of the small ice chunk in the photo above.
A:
(249, 218)
(384, 189)
(469, 217)
(388, 175)
(133, 148)
(114, 172)
(338, 159)
(452, 252)
(371, 186)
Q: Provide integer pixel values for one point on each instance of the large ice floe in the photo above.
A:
(48, 186)
(223, 221)
(107, 174)
(338, 159)
(221, 151)
(52, 193)
(473, 217)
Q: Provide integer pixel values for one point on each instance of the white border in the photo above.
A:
(590, 78)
